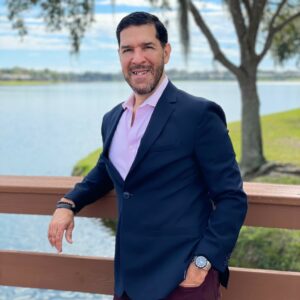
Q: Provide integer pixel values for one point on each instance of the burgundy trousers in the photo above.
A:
(208, 290)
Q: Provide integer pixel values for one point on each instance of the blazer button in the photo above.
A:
(126, 195)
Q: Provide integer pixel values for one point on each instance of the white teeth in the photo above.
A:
(140, 72)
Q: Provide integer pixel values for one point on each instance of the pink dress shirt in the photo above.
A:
(127, 137)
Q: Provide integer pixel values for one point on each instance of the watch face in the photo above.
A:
(201, 262)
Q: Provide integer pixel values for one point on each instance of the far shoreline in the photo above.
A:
(38, 83)
(25, 83)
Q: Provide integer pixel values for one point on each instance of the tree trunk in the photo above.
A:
(252, 157)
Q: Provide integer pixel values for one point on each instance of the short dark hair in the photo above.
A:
(143, 18)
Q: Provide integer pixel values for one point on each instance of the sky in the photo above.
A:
(42, 49)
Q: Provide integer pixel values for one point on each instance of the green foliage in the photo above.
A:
(265, 248)
(286, 43)
(283, 179)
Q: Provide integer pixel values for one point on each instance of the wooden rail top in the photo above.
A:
(270, 205)
(37, 184)
(257, 192)
(95, 275)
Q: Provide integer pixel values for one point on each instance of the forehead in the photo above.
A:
(138, 34)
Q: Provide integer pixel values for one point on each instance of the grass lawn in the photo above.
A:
(281, 138)
(281, 142)
(86, 164)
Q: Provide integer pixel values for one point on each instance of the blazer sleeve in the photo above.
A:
(94, 185)
(216, 158)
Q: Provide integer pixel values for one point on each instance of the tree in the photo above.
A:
(272, 23)
(269, 23)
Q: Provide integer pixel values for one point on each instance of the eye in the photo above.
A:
(126, 50)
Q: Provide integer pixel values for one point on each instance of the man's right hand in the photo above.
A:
(62, 222)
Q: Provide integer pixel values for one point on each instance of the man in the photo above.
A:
(169, 157)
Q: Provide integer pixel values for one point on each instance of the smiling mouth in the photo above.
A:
(140, 72)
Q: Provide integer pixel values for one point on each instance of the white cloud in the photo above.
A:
(101, 35)
(32, 43)
(207, 5)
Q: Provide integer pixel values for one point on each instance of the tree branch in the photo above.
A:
(276, 14)
(184, 26)
(258, 8)
(287, 21)
(273, 31)
(218, 54)
(248, 9)
(238, 21)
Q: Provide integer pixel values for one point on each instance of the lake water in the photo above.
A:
(45, 130)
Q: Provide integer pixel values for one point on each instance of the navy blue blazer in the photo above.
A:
(182, 197)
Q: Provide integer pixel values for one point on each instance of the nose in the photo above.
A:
(138, 57)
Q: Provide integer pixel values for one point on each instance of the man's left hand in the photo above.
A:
(194, 276)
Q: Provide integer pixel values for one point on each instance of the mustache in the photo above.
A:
(140, 67)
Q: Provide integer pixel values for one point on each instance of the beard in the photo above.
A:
(151, 84)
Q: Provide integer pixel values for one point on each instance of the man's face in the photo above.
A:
(142, 58)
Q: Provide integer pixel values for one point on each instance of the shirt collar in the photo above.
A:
(151, 100)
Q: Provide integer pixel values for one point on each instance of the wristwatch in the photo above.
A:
(201, 262)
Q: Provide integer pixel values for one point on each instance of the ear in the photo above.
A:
(119, 54)
(167, 51)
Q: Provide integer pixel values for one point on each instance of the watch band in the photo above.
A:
(67, 205)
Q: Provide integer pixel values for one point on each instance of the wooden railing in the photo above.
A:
(276, 206)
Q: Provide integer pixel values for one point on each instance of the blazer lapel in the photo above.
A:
(159, 118)
(111, 129)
